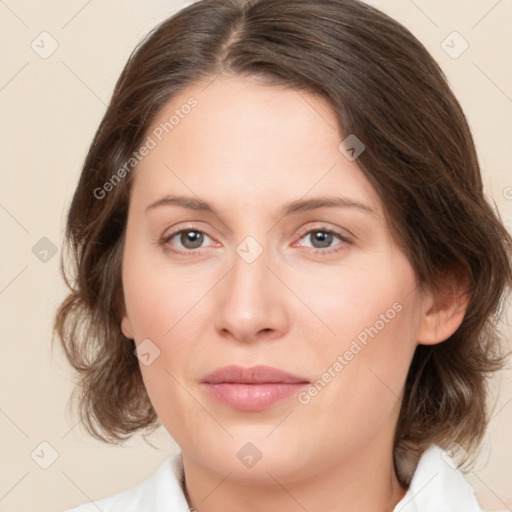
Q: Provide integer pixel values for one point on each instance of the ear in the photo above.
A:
(126, 327)
(443, 312)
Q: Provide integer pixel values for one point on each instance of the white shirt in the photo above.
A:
(437, 486)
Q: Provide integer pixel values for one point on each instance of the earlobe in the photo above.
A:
(126, 327)
(442, 317)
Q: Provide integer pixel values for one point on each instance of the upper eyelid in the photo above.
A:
(322, 223)
(335, 230)
(324, 226)
(175, 232)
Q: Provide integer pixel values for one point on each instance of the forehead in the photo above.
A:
(234, 134)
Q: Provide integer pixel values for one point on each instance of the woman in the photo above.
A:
(283, 254)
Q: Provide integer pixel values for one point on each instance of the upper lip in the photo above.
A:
(252, 375)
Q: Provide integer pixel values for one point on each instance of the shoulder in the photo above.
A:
(161, 492)
(438, 486)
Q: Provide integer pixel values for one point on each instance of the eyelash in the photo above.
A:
(164, 241)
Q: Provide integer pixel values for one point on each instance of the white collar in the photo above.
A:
(438, 486)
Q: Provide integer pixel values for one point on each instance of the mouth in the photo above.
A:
(252, 389)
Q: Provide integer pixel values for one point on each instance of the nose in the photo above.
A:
(250, 301)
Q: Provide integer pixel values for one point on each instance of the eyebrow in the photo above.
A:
(296, 206)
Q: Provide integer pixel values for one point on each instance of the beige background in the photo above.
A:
(50, 109)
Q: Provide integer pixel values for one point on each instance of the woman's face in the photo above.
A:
(246, 267)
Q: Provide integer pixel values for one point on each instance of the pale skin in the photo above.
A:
(248, 150)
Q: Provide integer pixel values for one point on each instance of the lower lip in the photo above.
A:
(253, 397)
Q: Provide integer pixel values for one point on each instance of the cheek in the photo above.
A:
(156, 298)
(371, 311)
(161, 307)
(377, 293)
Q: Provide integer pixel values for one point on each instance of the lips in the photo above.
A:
(252, 389)
(253, 375)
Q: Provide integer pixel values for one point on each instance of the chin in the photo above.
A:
(250, 458)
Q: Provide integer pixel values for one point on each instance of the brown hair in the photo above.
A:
(420, 157)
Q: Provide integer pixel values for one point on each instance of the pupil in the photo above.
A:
(192, 239)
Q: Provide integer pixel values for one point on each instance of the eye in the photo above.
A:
(186, 239)
(322, 238)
